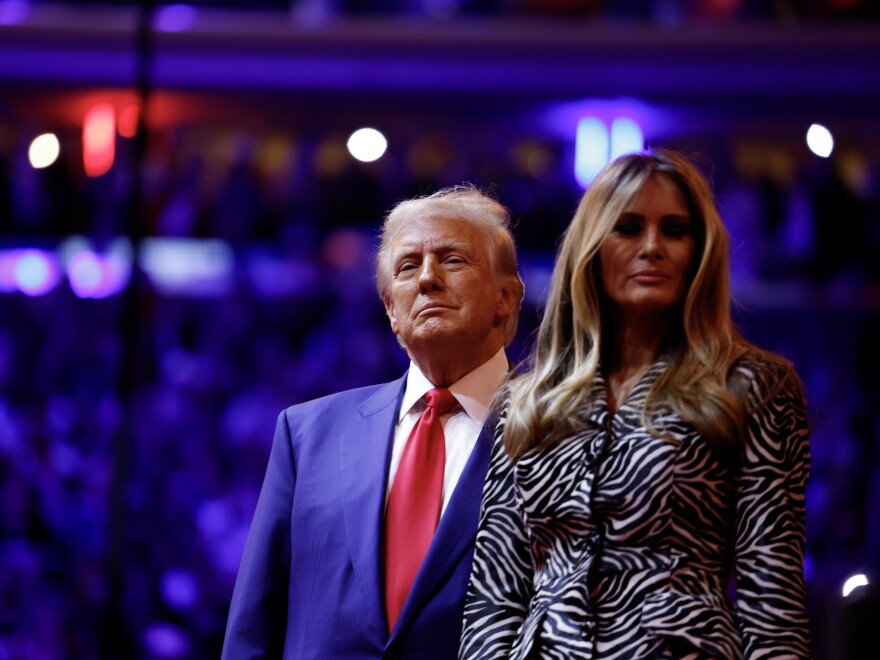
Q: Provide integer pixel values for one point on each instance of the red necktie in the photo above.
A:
(415, 502)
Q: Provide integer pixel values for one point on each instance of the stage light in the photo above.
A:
(820, 141)
(166, 640)
(595, 145)
(180, 589)
(34, 273)
(626, 137)
(44, 150)
(13, 12)
(854, 582)
(93, 274)
(99, 139)
(128, 122)
(85, 272)
(367, 144)
(194, 267)
(175, 18)
(590, 150)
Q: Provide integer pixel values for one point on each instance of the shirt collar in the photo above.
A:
(474, 391)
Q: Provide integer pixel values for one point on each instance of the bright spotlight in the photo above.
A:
(99, 139)
(367, 144)
(590, 150)
(820, 141)
(44, 151)
(626, 137)
(33, 273)
(127, 124)
(85, 273)
(854, 582)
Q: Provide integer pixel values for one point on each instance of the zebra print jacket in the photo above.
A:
(617, 543)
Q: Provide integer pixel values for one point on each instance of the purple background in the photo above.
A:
(135, 425)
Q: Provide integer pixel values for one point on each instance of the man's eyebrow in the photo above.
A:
(408, 250)
(404, 253)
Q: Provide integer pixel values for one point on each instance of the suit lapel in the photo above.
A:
(364, 454)
(456, 532)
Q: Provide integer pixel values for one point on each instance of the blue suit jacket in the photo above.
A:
(310, 583)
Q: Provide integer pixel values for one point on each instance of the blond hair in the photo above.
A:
(546, 401)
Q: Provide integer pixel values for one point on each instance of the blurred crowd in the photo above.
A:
(660, 10)
(790, 214)
(656, 11)
(135, 429)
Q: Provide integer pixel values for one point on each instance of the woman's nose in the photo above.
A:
(652, 243)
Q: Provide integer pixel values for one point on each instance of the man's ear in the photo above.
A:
(389, 310)
(507, 301)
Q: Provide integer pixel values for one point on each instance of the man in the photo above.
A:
(343, 560)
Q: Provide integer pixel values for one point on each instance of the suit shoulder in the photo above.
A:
(381, 394)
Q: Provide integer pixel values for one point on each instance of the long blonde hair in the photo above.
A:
(546, 401)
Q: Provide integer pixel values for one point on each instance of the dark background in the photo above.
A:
(136, 419)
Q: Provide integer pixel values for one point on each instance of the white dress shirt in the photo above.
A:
(461, 425)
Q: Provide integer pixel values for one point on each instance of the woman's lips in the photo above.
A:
(650, 277)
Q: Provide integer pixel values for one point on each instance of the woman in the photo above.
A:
(649, 457)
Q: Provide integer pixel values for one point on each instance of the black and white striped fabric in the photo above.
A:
(617, 543)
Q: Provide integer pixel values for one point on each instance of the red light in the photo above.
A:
(99, 139)
(128, 122)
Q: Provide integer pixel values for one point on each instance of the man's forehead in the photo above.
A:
(437, 233)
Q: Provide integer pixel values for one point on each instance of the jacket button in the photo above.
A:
(589, 628)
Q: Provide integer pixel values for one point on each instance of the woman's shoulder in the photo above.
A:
(761, 376)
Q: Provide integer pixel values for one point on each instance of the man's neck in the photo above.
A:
(451, 367)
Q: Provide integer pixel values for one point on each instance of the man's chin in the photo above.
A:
(435, 331)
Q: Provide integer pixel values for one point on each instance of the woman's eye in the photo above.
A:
(627, 228)
(677, 230)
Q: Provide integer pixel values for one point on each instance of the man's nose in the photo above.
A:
(431, 275)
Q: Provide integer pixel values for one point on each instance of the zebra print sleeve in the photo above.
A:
(770, 529)
(501, 580)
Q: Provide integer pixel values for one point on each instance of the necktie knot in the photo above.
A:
(440, 399)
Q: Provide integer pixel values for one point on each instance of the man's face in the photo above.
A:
(443, 292)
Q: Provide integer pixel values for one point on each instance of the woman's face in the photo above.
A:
(647, 260)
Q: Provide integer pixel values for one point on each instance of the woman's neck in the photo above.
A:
(635, 342)
(635, 345)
